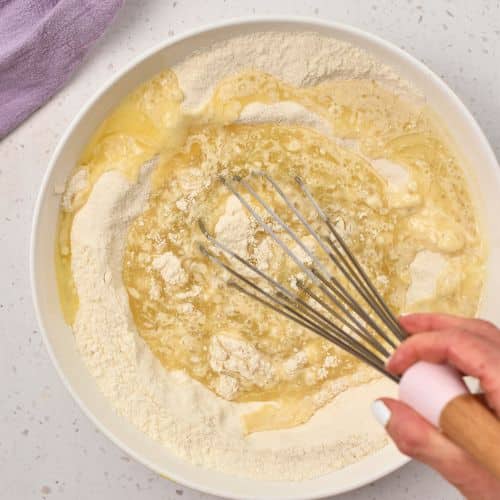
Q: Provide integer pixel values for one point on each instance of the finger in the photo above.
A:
(475, 356)
(415, 437)
(418, 323)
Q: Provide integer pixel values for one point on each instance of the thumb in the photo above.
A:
(417, 438)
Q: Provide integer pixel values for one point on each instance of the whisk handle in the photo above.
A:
(429, 387)
(439, 394)
(471, 425)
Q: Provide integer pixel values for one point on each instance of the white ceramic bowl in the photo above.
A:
(483, 174)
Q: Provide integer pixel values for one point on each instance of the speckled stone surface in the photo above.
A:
(48, 448)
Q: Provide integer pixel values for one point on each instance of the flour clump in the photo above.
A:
(170, 268)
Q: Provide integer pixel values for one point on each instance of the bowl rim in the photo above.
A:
(44, 191)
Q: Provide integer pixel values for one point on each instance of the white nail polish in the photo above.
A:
(381, 413)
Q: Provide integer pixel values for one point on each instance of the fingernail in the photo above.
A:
(381, 412)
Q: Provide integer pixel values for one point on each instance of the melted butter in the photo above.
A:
(179, 321)
(147, 123)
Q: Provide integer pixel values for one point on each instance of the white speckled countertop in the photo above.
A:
(48, 448)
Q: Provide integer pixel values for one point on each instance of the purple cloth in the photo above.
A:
(42, 42)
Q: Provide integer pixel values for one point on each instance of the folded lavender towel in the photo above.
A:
(42, 42)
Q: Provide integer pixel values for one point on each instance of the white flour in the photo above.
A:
(74, 188)
(300, 59)
(424, 270)
(160, 403)
(226, 386)
(170, 268)
(396, 175)
(234, 228)
(295, 362)
(284, 112)
(230, 355)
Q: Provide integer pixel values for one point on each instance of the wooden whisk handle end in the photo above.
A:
(470, 424)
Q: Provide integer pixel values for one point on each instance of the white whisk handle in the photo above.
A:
(428, 388)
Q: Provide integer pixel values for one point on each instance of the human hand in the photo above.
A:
(473, 347)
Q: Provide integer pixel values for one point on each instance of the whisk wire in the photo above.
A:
(357, 328)
(340, 290)
(293, 315)
(335, 285)
(357, 332)
(270, 231)
(357, 270)
(325, 328)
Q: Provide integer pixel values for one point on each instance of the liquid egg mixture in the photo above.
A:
(379, 165)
